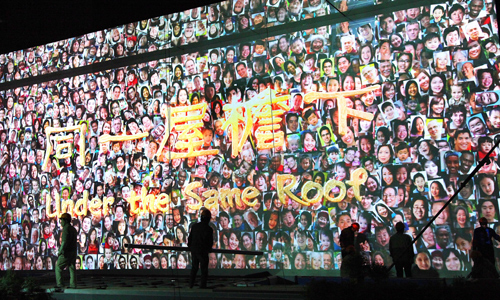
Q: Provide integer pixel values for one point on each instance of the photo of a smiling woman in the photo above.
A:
(437, 192)
(308, 141)
(400, 131)
(426, 150)
(383, 136)
(412, 91)
(290, 68)
(278, 64)
(387, 175)
(432, 169)
(388, 91)
(452, 260)
(417, 127)
(461, 217)
(397, 41)
(385, 154)
(437, 85)
(437, 106)
(383, 213)
(441, 61)
(404, 63)
(366, 145)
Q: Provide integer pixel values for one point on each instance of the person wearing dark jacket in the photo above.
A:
(400, 247)
(483, 268)
(67, 252)
(200, 243)
(482, 240)
(352, 265)
(350, 237)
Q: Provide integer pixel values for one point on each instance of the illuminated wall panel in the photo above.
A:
(287, 125)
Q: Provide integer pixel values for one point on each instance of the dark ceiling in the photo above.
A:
(27, 23)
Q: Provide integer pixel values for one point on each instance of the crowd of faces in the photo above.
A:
(178, 29)
(432, 128)
(435, 118)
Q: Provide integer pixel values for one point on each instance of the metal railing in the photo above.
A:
(173, 248)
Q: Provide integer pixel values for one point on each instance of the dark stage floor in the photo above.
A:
(167, 287)
(265, 286)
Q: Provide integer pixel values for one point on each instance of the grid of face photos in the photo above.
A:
(178, 29)
(436, 115)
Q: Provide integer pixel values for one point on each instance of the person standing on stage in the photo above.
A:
(67, 252)
(348, 237)
(200, 242)
(401, 250)
(482, 240)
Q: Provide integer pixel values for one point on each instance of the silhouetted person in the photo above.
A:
(483, 268)
(352, 264)
(482, 240)
(200, 242)
(349, 237)
(400, 247)
(67, 252)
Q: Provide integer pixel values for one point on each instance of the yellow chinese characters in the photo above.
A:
(265, 111)
(186, 122)
(344, 111)
(63, 142)
(106, 138)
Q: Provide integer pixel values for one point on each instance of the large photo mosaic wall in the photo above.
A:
(287, 139)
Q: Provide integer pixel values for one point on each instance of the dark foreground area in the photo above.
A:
(261, 286)
(389, 289)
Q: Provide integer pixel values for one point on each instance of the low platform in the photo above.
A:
(265, 286)
(124, 288)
